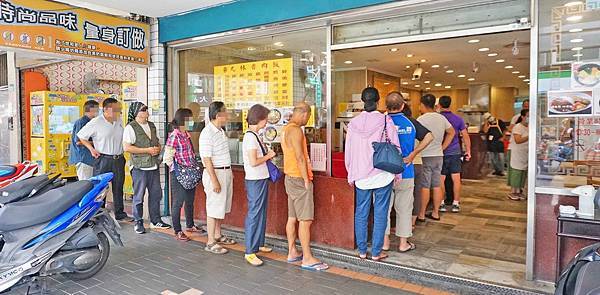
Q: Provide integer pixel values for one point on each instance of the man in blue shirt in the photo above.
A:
(79, 155)
(409, 131)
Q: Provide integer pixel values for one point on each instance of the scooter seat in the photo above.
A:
(18, 190)
(6, 170)
(42, 208)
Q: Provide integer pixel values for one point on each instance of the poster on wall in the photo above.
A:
(268, 82)
(585, 75)
(571, 103)
(48, 26)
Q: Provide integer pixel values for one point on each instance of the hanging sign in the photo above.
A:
(47, 26)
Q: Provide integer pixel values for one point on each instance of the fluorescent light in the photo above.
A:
(435, 66)
(574, 18)
(522, 76)
(305, 51)
(576, 30)
(508, 67)
(417, 85)
(304, 59)
(492, 54)
(450, 71)
(471, 79)
(427, 82)
(448, 87)
(576, 48)
(251, 48)
(578, 40)
(473, 41)
(393, 49)
(525, 80)
(279, 44)
(423, 60)
(324, 52)
(461, 76)
(386, 83)
(279, 54)
(426, 72)
(516, 72)
(427, 88)
(573, 3)
(437, 84)
(408, 67)
(348, 62)
(409, 55)
(404, 83)
(578, 55)
(499, 60)
(484, 49)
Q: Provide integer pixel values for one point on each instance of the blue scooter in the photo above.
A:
(49, 228)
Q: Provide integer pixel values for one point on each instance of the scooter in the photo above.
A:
(14, 173)
(582, 275)
(47, 228)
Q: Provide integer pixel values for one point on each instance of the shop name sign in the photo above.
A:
(59, 28)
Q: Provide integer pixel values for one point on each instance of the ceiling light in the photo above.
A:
(448, 87)
(304, 59)
(279, 44)
(525, 80)
(409, 55)
(508, 67)
(305, 51)
(324, 52)
(473, 41)
(576, 48)
(417, 85)
(484, 49)
(576, 30)
(279, 54)
(348, 62)
(461, 76)
(578, 55)
(408, 67)
(578, 40)
(574, 3)
(574, 18)
(404, 83)
(427, 82)
(492, 54)
(516, 72)
(450, 71)
(435, 66)
(471, 79)
(437, 84)
(522, 76)
(426, 72)
(251, 48)
(423, 60)
(386, 83)
(427, 88)
(393, 49)
(499, 60)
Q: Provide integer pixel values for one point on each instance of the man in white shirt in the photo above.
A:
(141, 141)
(106, 132)
(217, 177)
(433, 156)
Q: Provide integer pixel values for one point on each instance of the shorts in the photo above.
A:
(300, 200)
(452, 165)
(517, 178)
(432, 171)
(218, 204)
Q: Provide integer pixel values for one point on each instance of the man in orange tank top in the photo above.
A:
(299, 188)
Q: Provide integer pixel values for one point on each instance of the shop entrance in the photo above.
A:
(482, 74)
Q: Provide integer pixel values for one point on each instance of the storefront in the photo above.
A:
(243, 55)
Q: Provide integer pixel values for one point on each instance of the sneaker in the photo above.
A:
(160, 225)
(180, 236)
(443, 208)
(139, 227)
(253, 260)
(455, 208)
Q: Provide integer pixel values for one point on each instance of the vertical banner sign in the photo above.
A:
(47, 26)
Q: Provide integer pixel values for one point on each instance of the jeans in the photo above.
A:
(381, 204)
(181, 195)
(497, 161)
(256, 219)
(106, 164)
(146, 180)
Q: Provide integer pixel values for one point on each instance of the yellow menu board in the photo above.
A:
(268, 82)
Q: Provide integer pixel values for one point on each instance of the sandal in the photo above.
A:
(412, 247)
(381, 257)
(319, 266)
(253, 260)
(362, 256)
(223, 240)
(181, 237)
(195, 229)
(295, 259)
(215, 248)
(265, 249)
(430, 216)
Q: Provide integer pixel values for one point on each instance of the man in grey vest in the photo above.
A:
(141, 141)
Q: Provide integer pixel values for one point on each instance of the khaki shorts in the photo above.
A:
(300, 200)
(218, 204)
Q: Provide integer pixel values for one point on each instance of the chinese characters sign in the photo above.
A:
(59, 28)
(268, 82)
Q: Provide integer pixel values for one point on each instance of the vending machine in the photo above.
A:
(53, 115)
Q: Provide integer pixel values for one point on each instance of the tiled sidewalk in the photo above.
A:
(155, 262)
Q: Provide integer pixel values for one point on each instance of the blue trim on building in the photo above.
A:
(248, 13)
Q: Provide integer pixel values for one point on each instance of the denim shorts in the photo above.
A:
(452, 165)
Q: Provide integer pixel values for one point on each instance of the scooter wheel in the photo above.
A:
(104, 247)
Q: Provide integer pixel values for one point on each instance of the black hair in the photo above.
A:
(89, 105)
(108, 101)
(428, 100)
(524, 113)
(370, 96)
(445, 101)
(215, 108)
(180, 116)
(407, 111)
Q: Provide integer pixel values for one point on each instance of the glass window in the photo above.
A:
(276, 71)
(568, 148)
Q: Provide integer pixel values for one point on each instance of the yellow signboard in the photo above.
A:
(48, 26)
(268, 82)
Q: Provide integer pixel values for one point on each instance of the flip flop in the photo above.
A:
(430, 216)
(362, 256)
(381, 257)
(412, 247)
(319, 266)
(296, 259)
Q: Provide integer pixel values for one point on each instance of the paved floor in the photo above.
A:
(155, 262)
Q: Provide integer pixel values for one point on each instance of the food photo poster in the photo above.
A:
(585, 75)
(572, 103)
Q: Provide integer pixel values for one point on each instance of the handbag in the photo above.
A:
(274, 172)
(188, 176)
(386, 155)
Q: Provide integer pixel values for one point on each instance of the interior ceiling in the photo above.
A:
(28, 59)
(153, 8)
(450, 54)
